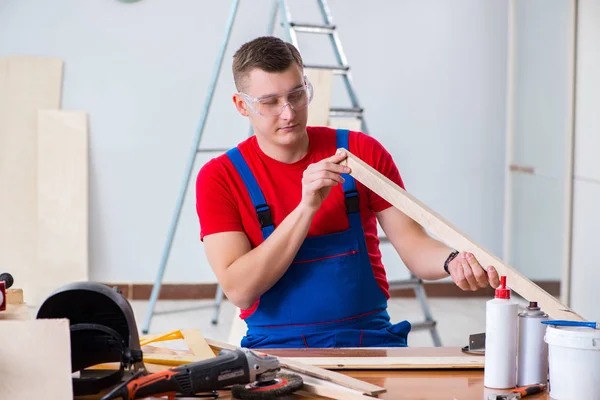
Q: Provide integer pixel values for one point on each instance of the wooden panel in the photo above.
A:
(35, 360)
(346, 123)
(62, 206)
(322, 82)
(26, 85)
(450, 235)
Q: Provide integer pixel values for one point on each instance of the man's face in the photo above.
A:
(275, 89)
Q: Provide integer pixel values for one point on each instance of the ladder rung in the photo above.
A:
(213, 150)
(312, 28)
(351, 112)
(337, 69)
(422, 325)
(411, 283)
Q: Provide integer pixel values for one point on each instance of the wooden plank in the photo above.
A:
(26, 85)
(333, 379)
(62, 205)
(15, 312)
(322, 82)
(450, 235)
(14, 296)
(395, 363)
(35, 360)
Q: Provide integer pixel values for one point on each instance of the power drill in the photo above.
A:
(241, 368)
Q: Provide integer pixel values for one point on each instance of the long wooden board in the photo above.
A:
(450, 235)
(393, 363)
(62, 200)
(318, 380)
(26, 85)
(391, 358)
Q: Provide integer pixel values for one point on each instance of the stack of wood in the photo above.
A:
(43, 179)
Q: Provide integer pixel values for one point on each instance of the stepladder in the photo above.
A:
(321, 112)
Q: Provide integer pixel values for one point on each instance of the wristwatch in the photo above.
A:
(450, 258)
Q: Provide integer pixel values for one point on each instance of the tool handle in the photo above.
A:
(229, 368)
(530, 389)
(570, 323)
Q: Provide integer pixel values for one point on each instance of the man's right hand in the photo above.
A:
(319, 178)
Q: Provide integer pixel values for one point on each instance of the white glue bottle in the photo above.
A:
(532, 352)
(500, 364)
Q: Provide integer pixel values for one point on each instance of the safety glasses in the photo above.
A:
(273, 106)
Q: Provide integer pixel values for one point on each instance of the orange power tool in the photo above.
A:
(247, 373)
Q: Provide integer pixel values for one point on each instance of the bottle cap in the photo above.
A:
(502, 292)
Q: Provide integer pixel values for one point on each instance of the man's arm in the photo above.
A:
(425, 256)
(244, 273)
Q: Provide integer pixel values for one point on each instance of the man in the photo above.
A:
(291, 237)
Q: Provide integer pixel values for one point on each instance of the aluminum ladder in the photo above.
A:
(342, 68)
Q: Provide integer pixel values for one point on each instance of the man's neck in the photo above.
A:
(285, 154)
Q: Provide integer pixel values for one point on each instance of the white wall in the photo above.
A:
(586, 200)
(431, 75)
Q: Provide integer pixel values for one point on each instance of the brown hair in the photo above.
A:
(267, 53)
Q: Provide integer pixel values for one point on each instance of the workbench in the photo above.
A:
(409, 384)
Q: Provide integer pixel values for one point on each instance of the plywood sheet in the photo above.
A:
(35, 360)
(27, 84)
(62, 205)
(352, 124)
(322, 82)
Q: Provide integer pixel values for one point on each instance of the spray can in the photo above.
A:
(532, 352)
(501, 329)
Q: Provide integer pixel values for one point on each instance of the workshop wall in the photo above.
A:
(430, 74)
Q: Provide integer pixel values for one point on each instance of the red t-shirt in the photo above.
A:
(223, 203)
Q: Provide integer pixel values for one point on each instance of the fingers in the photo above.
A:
(321, 174)
(459, 277)
(468, 272)
(338, 157)
(478, 271)
(493, 277)
(325, 165)
(320, 184)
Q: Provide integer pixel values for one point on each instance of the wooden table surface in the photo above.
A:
(438, 384)
(422, 384)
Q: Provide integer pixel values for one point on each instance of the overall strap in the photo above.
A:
(349, 186)
(258, 200)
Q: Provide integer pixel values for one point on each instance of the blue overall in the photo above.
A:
(328, 297)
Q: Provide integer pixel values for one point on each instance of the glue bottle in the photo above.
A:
(532, 350)
(500, 364)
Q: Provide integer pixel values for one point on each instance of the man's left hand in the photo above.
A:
(468, 274)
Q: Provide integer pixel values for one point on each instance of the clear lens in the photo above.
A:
(297, 99)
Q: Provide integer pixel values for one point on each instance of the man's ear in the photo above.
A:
(240, 105)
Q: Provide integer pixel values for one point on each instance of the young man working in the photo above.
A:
(291, 237)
